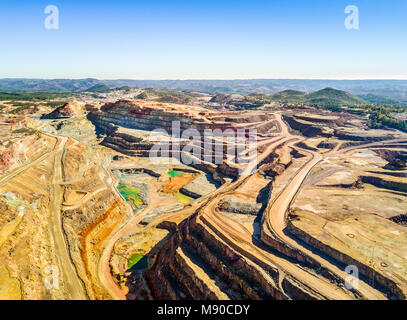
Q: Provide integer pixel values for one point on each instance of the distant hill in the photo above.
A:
(290, 96)
(100, 88)
(325, 97)
(380, 90)
(330, 96)
(47, 85)
(378, 99)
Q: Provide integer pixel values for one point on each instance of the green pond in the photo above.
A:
(174, 173)
(130, 194)
(137, 261)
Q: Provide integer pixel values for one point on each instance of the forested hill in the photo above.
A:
(374, 91)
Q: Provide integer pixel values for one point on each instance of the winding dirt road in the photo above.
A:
(241, 239)
(65, 264)
(275, 221)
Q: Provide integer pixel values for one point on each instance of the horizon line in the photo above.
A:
(207, 79)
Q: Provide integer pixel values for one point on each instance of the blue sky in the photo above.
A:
(208, 39)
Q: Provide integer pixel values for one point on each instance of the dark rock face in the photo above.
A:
(303, 145)
(63, 112)
(230, 205)
(272, 169)
(326, 145)
(308, 130)
(396, 159)
(386, 184)
(221, 98)
(400, 219)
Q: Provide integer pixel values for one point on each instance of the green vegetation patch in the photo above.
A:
(9, 144)
(383, 116)
(173, 96)
(131, 195)
(124, 88)
(142, 96)
(20, 109)
(21, 104)
(99, 88)
(53, 104)
(25, 130)
(137, 262)
(174, 173)
(31, 96)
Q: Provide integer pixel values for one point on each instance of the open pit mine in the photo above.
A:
(317, 210)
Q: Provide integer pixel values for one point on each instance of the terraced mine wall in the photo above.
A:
(268, 128)
(396, 159)
(101, 126)
(303, 145)
(147, 122)
(127, 144)
(131, 115)
(326, 145)
(108, 123)
(308, 130)
(89, 221)
(150, 119)
(229, 205)
(212, 170)
(140, 146)
(386, 184)
(385, 284)
(322, 120)
(200, 187)
(136, 146)
(236, 276)
(275, 243)
(141, 170)
(240, 117)
(143, 150)
(401, 174)
(354, 137)
(84, 230)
